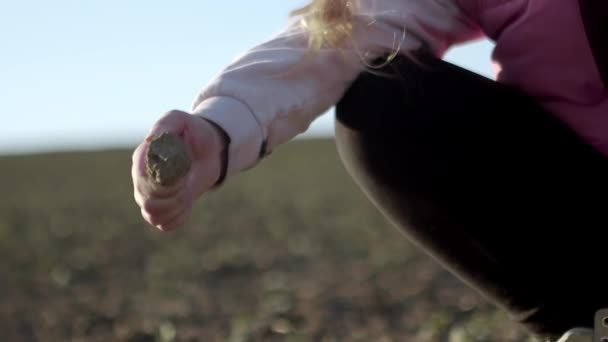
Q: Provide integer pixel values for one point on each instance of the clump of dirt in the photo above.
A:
(167, 159)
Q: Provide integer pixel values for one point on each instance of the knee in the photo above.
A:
(367, 99)
(384, 127)
(394, 94)
(362, 118)
(379, 107)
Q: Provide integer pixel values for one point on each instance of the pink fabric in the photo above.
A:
(542, 48)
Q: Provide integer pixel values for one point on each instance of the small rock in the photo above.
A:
(167, 332)
(281, 326)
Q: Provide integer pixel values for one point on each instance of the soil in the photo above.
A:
(167, 159)
(288, 251)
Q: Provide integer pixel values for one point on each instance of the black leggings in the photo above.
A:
(498, 190)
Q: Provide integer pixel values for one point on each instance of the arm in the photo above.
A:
(265, 97)
(269, 94)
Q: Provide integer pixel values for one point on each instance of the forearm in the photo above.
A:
(270, 93)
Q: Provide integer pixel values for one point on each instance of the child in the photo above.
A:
(495, 179)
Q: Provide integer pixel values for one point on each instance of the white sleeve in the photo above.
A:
(265, 97)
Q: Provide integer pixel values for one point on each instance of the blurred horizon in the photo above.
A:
(96, 75)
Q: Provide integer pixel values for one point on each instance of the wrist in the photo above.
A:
(223, 140)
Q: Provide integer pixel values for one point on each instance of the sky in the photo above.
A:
(97, 74)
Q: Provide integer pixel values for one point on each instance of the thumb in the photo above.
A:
(174, 121)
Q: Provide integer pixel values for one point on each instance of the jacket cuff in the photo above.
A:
(247, 136)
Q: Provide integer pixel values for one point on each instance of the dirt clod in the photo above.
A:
(167, 159)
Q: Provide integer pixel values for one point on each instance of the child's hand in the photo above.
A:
(170, 207)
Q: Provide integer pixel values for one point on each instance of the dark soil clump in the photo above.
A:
(167, 159)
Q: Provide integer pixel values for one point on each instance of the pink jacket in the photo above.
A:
(263, 98)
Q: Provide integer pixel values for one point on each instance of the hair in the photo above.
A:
(329, 24)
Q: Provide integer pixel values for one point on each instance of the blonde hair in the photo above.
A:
(329, 22)
(330, 25)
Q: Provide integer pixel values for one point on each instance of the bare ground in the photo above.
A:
(288, 251)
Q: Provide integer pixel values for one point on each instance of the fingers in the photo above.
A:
(158, 205)
(161, 206)
(148, 189)
(138, 162)
(168, 220)
(165, 207)
(165, 216)
(176, 222)
(173, 121)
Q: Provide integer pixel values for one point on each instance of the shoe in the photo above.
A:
(577, 335)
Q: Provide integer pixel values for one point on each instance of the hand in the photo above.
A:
(170, 207)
